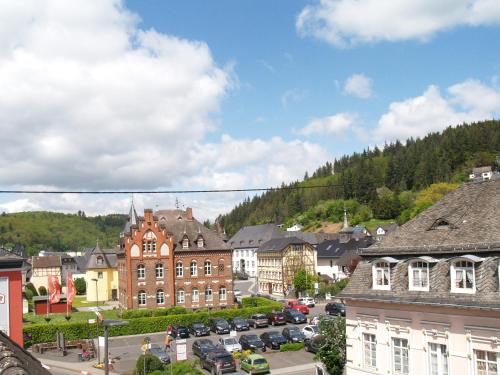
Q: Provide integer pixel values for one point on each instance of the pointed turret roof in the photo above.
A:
(345, 227)
(133, 218)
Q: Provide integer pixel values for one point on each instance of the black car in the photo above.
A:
(159, 353)
(276, 318)
(180, 332)
(203, 346)
(199, 329)
(219, 325)
(258, 320)
(293, 334)
(273, 339)
(294, 316)
(334, 308)
(239, 324)
(252, 342)
(218, 362)
(314, 344)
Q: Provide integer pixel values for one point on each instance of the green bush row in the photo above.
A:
(294, 346)
(259, 301)
(40, 333)
(143, 313)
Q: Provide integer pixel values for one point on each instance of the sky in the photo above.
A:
(173, 95)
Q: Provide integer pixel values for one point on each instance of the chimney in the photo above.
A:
(189, 213)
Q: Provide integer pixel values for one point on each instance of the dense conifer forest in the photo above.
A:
(393, 183)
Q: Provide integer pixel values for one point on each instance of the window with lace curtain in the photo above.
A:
(419, 275)
(381, 273)
(463, 277)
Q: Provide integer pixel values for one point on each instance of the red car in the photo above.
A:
(293, 304)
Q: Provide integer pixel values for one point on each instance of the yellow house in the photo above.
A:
(101, 275)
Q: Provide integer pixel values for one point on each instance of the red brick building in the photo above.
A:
(170, 259)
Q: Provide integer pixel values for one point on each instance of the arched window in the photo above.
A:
(220, 267)
(381, 276)
(141, 271)
(463, 277)
(209, 294)
(418, 273)
(149, 242)
(159, 271)
(180, 296)
(195, 295)
(194, 268)
(160, 297)
(208, 268)
(100, 260)
(179, 270)
(222, 293)
(141, 297)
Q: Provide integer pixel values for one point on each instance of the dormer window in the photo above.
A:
(418, 273)
(185, 243)
(441, 224)
(463, 276)
(100, 260)
(381, 276)
(200, 242)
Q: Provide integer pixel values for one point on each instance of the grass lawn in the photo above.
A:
(81, 301)
(76, 316)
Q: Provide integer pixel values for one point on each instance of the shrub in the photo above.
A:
(142, 313)
(42, 291)
(291, 347)
(30, 286)
(259, 301)
(28, 294)
(80, 286)
(180, 368)
(149, 363)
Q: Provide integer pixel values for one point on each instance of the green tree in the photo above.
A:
(42, 290)
(303, 281)
(80, 286)
(149, 363)
(32, 288)
(333, 351)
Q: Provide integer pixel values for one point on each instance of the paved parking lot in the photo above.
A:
(125, 350)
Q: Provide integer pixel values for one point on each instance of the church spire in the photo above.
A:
(346, 223)
(133, 218)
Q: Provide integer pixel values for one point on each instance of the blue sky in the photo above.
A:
(143, 94)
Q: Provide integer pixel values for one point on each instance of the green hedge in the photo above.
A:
(39, 333)
(291, 346)
(144, 313)
(259, 301)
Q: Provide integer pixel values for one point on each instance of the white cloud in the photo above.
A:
(92, 101)
(337, 124)
(359, 85)
(468, 101)
(348, 22)
(293, 96)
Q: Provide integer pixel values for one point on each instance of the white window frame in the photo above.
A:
(454, 269)
(141, 271)
(207, 267)
(200, 242)
(486, 361)
(195, 295)
(180, 296)
(159, 271)
(160, 297)
(441, 351)
(141, 298)
(179, 271)
(377, 266)
(369, 346)
(185, 243)
(193, 268)
(223, 293)
(402, 349)
(421, 267)
(209, 296)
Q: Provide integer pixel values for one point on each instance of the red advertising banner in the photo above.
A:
(54, 289)
(70, 294)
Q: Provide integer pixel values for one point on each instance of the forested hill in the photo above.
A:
(57, 231)
(381, 183)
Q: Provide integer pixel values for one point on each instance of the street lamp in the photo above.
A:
(96, 293)
(109, 323)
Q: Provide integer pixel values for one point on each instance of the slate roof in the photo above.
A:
(49, 261)
(312, 238)
(473, 214)
(388, 227)
(109, 258)
(81, 263)
(178, 224)
(335, 249)
(278, 244)
(133, 218)
(254, 236)
(16, 360)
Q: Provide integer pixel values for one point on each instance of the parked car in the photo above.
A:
(203, 346)
(252, 342)
(313, 345)
(308, 301)
(218, 362)
(293, 334)
(273, 339)
(255, 364)
(302, 308)
(230, 344)
(180, 332)
(335, 308)
(276, 318)
(310, 331)
(315, 319)
(199, 329)
(294, 316)
(239, 324)
(236, 292)
(258, 320)
(219, 325)
(159, 353)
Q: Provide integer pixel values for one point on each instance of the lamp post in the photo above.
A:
(97, 322)
(109, 323)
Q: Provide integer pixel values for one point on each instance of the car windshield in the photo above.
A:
(206, 343)
(260, 316)
(295, 333)
(252, 338)
(230, 341)
(238, 320)
(224, 357)
(274, 334)
(198, 325)
(259, 361)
